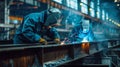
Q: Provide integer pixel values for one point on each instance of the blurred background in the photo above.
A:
(104, 15)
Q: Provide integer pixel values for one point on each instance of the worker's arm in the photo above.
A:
(54, 35)
(28, 30)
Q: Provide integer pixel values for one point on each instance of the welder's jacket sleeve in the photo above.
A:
(28, 30)
(73, 35)
(53, 33)
(77, 35)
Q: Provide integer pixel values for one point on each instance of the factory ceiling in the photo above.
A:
(23, 7)
(112, 7)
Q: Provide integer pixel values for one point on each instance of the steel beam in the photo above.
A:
(25, 55)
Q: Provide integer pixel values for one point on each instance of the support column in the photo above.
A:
(7, 21)
(2, 19)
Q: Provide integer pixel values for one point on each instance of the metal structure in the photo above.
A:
(55, 55)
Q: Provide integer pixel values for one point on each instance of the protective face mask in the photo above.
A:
(85, 26)
(52, 19)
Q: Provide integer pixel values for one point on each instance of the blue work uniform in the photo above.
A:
(77, 35)
(32, 29)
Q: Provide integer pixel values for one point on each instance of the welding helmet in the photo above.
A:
(53, 17)
(86, 26)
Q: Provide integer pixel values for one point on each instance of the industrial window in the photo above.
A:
(103, 15)
(29, 1)
(59, 1)
(98, 12)
(92, 4)
(84, 8)
(98, 2)
(84, 1)
(92, 12)
(106, 16)
(72, 4)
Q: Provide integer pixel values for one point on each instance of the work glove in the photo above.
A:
(43, 41)
(57, 40)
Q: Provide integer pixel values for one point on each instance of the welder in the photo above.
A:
(39, 27)
(82, 32)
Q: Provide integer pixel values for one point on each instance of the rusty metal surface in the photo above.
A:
(35, 55)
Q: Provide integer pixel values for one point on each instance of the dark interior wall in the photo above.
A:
(24, 9)
(2, 15)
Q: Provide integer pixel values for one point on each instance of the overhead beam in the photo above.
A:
(13, 25)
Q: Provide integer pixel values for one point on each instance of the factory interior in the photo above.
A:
(59, 33)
